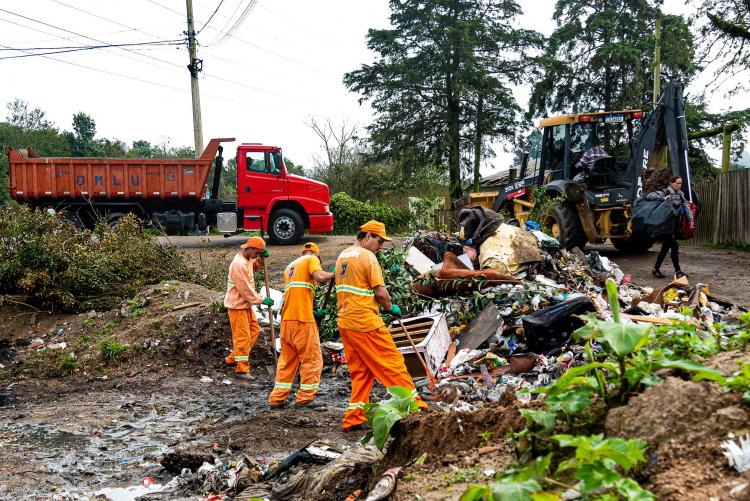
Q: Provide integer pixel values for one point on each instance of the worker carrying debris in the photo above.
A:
(369, 347)
(239, 301)
(300, 344)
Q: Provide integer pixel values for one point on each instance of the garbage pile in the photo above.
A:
(510, 299)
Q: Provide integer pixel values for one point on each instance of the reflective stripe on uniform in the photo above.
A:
(301, 285)
(313, 386)
(285, 386)
(355, 405)
(230, 283)
(350, 289)
(241, 359)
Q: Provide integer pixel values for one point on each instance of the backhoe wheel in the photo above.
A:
(565, 226)
(286, 227)
(631, 246)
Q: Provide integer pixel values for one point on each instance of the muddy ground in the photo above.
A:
(107, 423)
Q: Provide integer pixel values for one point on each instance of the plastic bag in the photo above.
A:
(654, 219)
(551, 327)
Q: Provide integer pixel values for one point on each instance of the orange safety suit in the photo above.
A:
(370, 351)
(239, 300)
(300, 344)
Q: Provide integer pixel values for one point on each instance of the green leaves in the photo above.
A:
(382, 416)
(502, 491)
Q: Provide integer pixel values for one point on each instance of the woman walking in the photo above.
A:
(673, 194)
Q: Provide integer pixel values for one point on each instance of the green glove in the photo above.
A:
(333, 270)
(319, 313)
(268, 301)
(394, 268)
(264, 254)
(395, 311)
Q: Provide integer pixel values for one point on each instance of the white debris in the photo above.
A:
(738, 455)
(206, 379)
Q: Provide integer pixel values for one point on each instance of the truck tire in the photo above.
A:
(565, 226)
(286, 227)
(631, 246)
(113, 219)
(70, 216)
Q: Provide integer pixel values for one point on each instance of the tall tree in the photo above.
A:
(81, 140)
(442, 75)
(600, 56)
(725, 31)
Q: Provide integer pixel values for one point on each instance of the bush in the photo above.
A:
(46, 259)
(349, 214)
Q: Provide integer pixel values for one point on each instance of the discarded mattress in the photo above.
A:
(509, 249)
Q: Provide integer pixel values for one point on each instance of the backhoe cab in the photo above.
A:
(599, 188)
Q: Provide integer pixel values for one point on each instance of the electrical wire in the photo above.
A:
(209, 19)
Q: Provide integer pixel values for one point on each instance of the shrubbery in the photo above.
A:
(349, 214)
(44, 258)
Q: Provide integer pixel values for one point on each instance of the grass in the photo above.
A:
(66, 363)
(731, 246)
(111, 349)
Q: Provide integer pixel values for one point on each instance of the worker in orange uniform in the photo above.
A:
(369, 347)
(300, 344)
(239, 301)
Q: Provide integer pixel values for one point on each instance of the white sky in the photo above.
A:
(287, 60)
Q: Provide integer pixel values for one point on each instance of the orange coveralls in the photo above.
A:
(239, 299)
(300, 344)
(369, 347)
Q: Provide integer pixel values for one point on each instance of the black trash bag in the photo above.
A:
(551, 327)
(653, 219)
(479, 223)
(435, 247)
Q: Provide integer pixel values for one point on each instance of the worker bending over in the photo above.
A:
(369, 347)
(239, 301)
(300, 345)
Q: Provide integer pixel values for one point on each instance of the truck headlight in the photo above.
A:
(326, 208)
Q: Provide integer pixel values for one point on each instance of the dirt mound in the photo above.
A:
(684, 423)
(441, 434)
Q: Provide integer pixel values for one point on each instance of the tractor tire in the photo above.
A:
(565, 226)
(631, 246)
(286, 227)
(71, 217)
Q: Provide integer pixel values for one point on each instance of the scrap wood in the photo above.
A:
(518, 364)
(480, 328)
(648, 320)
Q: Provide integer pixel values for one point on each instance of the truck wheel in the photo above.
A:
(565, 226)
(72, 217)
(286, 227)
(113, 219)
(631, 246)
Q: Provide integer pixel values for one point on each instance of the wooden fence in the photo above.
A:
(724, 216)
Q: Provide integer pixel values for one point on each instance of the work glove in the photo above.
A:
(333, 270)
(264, 254)
(319, 313)
(395, 268)
(268, 301)
(395, 311)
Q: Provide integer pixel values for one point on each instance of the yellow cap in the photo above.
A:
(375, 228)
(309, 246)
(254, 243)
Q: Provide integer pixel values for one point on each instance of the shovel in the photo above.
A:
(431, 381)
(271, 370)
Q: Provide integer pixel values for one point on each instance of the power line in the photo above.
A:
(62, 51)
(157, 42)
(88, 37)
(212, 16)
(240, 20)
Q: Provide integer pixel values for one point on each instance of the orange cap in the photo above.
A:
(254, 243)
(309, 246)
(375, 228)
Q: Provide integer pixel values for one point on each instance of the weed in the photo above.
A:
(66, 363)
(111, 349)
(486, 437)
(88, 322)
(217, 307)
(468, 474)
(382, 416)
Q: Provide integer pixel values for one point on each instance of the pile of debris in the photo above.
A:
(496, 306)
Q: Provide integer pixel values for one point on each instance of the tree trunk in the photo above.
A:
(478, 144)
(453, 119)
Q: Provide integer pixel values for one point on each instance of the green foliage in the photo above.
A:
(435, 65)
(350, 214)
(111, 349)
(543, 204)
(724, 31)
(740, 382)
(66, 363)
(81, 140)
(48, 260)
(601, 56)
(382, 416)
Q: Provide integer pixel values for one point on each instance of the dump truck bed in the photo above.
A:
(76, 178)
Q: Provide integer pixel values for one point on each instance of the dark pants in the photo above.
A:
(669, 245)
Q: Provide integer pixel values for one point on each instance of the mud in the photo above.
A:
(684, 423)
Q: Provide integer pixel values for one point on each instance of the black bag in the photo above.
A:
(551, 327)
(654, 219)
(479, 223)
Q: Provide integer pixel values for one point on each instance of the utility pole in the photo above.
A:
(657, 60)
(195, 67)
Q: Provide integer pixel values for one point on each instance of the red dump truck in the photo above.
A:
(173, 193)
